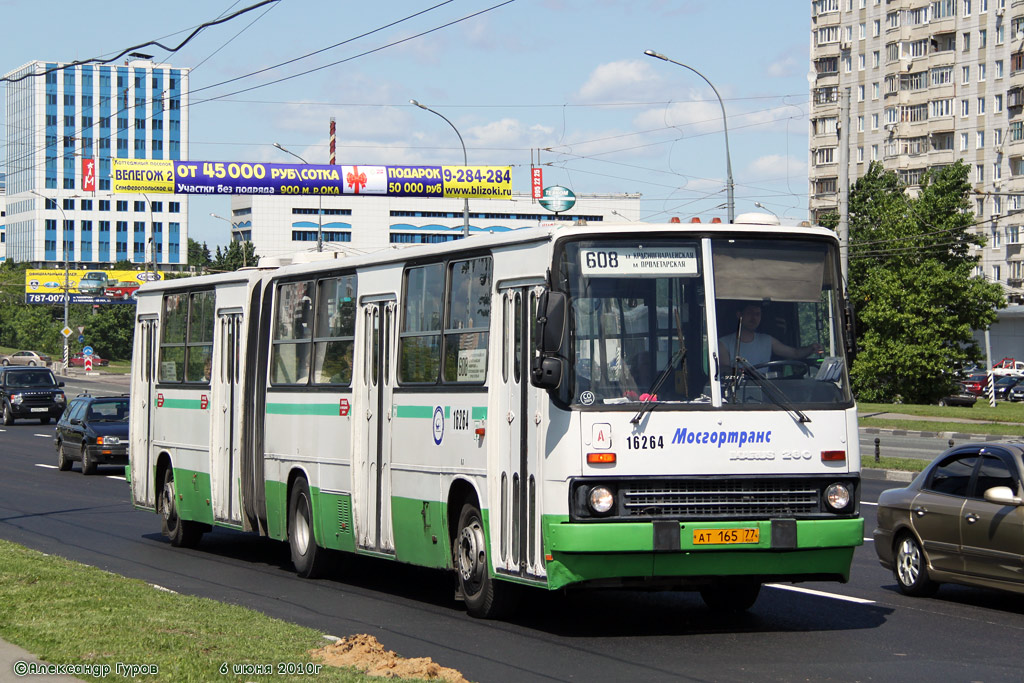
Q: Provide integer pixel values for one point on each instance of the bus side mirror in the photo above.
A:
(546, 370)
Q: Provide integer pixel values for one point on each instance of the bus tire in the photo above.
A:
(731, 596)
(309, 558)
(182, 533)
(485, 598)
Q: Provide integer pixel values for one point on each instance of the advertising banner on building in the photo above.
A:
(46, 286)
(215, 177)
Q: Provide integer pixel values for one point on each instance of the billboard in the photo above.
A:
(46, 286)
(159, 176)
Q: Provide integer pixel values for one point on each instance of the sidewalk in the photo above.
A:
(15, 663)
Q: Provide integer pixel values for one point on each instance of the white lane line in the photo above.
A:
(866, 539)
(45, 436)
(114, 476)
(864, 502)
(49, 467)
(822, 594)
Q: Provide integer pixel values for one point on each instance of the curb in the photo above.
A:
(886, 475)
(957, 436)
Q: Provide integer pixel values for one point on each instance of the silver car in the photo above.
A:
(960, 521)
(26, 358)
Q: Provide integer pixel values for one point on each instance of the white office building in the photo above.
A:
(64, 125)
(284, 225)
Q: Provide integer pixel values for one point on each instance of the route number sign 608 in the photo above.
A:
(602, 259)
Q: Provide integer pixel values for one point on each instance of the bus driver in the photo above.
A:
(756, 347)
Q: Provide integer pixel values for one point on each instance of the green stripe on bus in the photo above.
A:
(415, 411)
(182, 403)
(479, 413)
(302, 409)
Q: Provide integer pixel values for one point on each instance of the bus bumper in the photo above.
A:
(664, 555)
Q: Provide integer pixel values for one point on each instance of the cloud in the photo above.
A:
(619, 82)
(775, 167)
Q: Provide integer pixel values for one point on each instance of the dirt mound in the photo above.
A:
(365, 653)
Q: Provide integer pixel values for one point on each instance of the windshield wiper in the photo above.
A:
(773, 391)
(677, 357)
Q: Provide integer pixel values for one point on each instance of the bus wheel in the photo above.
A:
(485, 598)
(309, 558)
(731, 596)
(182, 533)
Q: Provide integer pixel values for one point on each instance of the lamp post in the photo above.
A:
(320, 209)
(63, 229)
(465, 162)
(730, 201)
(244, 262)
(762, 206)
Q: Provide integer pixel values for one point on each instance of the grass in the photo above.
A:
(884, 463)
(68, 613)
(1006, 418)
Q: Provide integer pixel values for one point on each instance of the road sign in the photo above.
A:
(66, 331)
(88, 363)
(81, 329)
(81, 338)
(87, 351)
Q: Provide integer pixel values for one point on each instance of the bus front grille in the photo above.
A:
(716, 499)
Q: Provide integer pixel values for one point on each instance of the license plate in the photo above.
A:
(725, 536)
(40, 410)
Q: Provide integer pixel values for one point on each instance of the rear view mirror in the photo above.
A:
(1003, 495)
(546, 369)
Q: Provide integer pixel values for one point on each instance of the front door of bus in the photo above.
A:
(141, 411)
(375, 468)
(519, 538)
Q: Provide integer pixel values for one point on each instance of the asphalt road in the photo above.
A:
(863, 630)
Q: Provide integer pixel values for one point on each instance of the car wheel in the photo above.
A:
(5, 362)
(943, 402)
(309, 558)
(182, 533)
(731, 596)
(31, 363)
(88, 464)
(911, 568)
(63, 461)
(484, 597)
(8, 415)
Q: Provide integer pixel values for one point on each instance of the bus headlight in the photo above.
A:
(837, 496)
(601, 499)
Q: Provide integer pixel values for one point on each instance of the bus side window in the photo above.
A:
(467, 326)
(419, 349)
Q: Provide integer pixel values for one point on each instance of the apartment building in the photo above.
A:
(929, 82)
(64, 125)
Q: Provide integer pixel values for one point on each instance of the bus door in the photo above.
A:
(519, 419)
(379, 332)
(226, 390)
(142, 412)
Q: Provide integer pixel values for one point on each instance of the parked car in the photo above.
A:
(1004, 385)
(959, 521)
(976, 383)
(1017, 392)
(30, 393)
(94, 431)
(78, 360)
(121, 290)
(30, 358)
(94, 282)
(959, 397)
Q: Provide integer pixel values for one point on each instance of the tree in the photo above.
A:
(236, 255)
(198, 254)
(915, 298)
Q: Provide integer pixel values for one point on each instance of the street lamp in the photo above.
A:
(320, 209)
(762, 206)
(730, 202)
(63, 231)
(244, 262)
(465, 162)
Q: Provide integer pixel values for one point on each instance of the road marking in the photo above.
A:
(45, 436)
(866, 539)
(823, 594)
(161, 588)
(114, 476)
(864, 502)
(49, 467)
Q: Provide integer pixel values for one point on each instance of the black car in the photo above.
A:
(94, 431)
(1004, 385)
(32, 393)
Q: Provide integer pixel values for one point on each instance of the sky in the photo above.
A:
(563, 81)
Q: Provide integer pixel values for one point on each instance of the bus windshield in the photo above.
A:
(649, 323)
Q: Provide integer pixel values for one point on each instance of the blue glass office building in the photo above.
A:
(63, 120)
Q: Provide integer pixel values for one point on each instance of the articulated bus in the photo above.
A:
(555, 407)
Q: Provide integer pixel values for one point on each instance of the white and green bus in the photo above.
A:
(551, 407)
